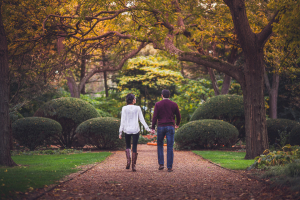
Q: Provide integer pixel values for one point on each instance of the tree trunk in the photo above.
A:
(226, 84)
(254, 105)
(273, 95)
(105, 83)
(5, 157)
(82, 69)
(213, 81)
(227, 79)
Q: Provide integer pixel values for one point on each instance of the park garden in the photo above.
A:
(68, 65)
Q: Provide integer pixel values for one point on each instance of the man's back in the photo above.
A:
(164, 112)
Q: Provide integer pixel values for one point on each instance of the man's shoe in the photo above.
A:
(161, 167)
(170, 169)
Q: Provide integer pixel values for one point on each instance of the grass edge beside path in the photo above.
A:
(227, 159)
(38, 171)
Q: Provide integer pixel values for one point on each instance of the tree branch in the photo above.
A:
(264, 35)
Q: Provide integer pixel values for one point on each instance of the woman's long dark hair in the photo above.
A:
(129, 98)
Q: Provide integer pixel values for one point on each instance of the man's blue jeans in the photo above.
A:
(163, 131)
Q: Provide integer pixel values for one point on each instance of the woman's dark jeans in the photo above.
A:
(135, 138)
(169, 132)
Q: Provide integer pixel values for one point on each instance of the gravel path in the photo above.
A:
(192, 178)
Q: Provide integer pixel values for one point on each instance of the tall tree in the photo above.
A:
(5, 157)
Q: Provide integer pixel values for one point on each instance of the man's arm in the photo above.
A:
(154, 118)
(178, 116)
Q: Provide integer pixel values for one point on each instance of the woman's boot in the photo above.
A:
(127, 151)
(134, 157)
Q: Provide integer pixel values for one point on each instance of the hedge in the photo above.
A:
(206, 134)
(69, 112)
(229, 108)
(33, 131)
(102, 132)
(14, 116)
(295, 135)
(274, 126)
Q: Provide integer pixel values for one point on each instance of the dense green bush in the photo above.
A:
(276, 127)
(295, 135)
(206, 133)
(33, 131)
(14, 116)
(229, 108)
(103, 113)
(102, 132)
(69, 112)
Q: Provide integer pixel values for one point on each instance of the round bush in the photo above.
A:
(229, 108)
(33, 131)
(102, 132)
(206, 133)
(14, 116)
(274, 126)
(295, 135)
(69, 112)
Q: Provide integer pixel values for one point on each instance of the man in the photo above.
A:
(164, 113)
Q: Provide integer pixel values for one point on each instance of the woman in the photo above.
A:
(130, 126)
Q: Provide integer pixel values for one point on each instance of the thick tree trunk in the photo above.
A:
(254, 105)
(273, 94)
(5, 157)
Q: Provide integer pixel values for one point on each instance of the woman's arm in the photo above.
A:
(123, 114)
(142, 120)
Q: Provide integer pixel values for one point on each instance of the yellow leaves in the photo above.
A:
(5, 170)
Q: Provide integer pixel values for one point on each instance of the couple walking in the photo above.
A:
(164, 113)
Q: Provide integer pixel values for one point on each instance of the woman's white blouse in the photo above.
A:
(129, 119)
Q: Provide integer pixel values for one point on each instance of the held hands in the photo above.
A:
(176, 126)
(152, 131)
(120, 136)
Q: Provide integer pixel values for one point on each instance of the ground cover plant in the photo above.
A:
(36, 171)
(227, 159)
(282, 167)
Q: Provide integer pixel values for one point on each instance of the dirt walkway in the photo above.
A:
(192, 178)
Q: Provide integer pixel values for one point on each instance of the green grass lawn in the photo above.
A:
(40, 170)
(227, 159)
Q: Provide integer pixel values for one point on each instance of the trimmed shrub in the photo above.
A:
(276, 126)
(103, 113)
(69, 112)
(229, 108)
(14, 116)
(206, 133)
(295, 135)
(33, 131)
(102, 132)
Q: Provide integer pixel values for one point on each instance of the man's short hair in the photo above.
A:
(166, 93)
(129, 98)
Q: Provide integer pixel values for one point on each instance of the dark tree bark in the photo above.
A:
(5, 157)
(105, 83)
(82, 69)
(105, 73)
(227, 79)
(273, 94)
(213, 80)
